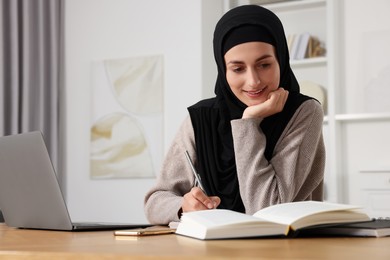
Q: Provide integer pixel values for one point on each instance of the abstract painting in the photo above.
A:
(127, 117)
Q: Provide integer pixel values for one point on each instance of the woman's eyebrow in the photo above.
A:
(265, 56)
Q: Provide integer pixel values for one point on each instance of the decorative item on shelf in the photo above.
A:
(315, 48)
(314, 90)
(304, 45)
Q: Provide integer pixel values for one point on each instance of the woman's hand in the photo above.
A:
(197, 200)
(274, 104)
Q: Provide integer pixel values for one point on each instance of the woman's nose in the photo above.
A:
(253, 78)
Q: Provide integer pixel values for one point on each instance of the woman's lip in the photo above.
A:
(254, 93)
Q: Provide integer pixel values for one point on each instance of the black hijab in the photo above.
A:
(211, 117)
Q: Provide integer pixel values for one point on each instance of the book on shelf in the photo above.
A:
(294, 45)
(290, 40)
(278, 220)
(303, 46)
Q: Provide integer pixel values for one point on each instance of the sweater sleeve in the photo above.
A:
(163, 202)
(296, 170)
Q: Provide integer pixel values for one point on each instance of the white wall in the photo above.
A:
(104, 29)
(367, 53)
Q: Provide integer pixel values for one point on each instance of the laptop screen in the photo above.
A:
(30, 195)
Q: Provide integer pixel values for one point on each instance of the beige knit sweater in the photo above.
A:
(295, 172)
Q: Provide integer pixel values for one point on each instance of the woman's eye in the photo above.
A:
(264, 65)
(237, 69)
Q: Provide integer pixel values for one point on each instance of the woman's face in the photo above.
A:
(252, 71)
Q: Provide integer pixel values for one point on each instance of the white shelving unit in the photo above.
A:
(355, 155)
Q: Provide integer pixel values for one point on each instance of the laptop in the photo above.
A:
(30, 195)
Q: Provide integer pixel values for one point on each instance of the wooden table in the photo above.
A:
(39, 244)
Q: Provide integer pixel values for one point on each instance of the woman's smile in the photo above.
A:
(255, 93)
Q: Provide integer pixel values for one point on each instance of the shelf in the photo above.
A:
(319, 61)
(363, 117)
(294, 5)
(376, 170)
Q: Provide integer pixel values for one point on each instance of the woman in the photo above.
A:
(258, 142)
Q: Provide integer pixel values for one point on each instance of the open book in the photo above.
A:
(276, 220)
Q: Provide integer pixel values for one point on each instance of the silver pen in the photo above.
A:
(197, 176)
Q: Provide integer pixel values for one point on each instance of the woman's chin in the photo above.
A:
(254, 102)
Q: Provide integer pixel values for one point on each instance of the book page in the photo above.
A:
(288, 213)
(218, 217)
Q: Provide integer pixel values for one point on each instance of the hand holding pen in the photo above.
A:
(198, 180)
(197, 199)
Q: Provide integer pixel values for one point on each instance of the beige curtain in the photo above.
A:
(30, 68)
